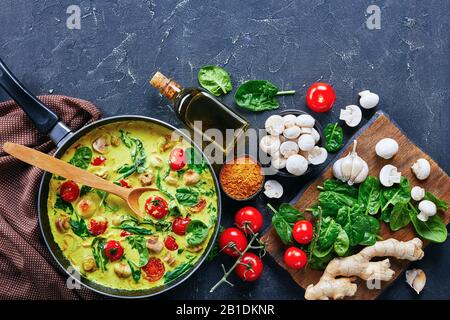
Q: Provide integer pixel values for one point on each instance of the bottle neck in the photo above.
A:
(169, 88)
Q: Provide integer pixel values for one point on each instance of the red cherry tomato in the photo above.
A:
(113, 250)
(302, 231)
(97, 227)
(198, 207)
(170, 243)
(295, 258)
(98, 161)
(156, 207)
(124, 183)
(250, 268)
(249, 220)
(232, 239)
(177, 159)
(179, 226)
(124, 233)
(153, 270)
(69, 191)
(320, 97)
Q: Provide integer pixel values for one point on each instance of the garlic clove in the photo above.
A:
(389, 175)
(273, 189)
(368, 99)
(305, 120)
(289, 120)
(421, 169)
(292, 132)
(386, 148)
(274, 125)
(306, 142)
(357, 166)
(352, 115)
(288, 148)
(270, 144)
(317, 155)
(416, 279)
(417, 193)
(362, 175)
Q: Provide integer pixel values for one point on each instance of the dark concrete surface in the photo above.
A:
(291, 43)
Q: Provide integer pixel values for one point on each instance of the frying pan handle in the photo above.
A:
(45, 120)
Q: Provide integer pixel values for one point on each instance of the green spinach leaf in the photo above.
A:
(79, 227)
(82, 157)
(215, 79)
(63, 205)
(440, 204)
(331, 202)
(195, 160)
(98, 245)
(392, 195)
(342, 243)
(258, 95)
(284, 219)
(433, 230)
(178, 271)
(135, 271)
(339, 187)
(334, 137)
(140, 244)
(187, 196)
(369, 195)
(329, 232)
(399, 216)
(196, 233)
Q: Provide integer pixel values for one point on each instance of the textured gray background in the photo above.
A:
(291, 43)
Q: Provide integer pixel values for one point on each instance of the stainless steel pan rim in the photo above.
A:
(54, 249)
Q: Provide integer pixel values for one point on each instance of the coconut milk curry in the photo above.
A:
(97, 232)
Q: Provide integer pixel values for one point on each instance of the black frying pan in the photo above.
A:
(47, 122)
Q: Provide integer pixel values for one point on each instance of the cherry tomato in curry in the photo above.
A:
(113, 250)
(69, 191)
(156, 207)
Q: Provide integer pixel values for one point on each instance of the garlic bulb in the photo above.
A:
(421, 169)
(352, 168)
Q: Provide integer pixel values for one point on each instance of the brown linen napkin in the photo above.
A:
(27, 270)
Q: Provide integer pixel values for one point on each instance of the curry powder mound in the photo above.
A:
(241, 178)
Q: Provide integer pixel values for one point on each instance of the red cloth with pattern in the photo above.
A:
(27, 270)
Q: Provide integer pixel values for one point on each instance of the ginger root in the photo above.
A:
(359, 265)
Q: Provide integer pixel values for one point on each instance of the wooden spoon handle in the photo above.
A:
(61, 168)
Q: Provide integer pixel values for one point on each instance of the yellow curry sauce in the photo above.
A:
(137, 154)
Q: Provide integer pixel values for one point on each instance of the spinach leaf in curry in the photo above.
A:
(82, 157)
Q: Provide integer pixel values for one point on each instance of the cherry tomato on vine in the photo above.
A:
(69, 191)
(157, 207)
(98, 161)
(249, 220)
(177, 159)
(295, 258)
(113, 250)
(230, 239)
(171, 243)
(250, 267)
(179, 226)
(320, 97)
(303, 231)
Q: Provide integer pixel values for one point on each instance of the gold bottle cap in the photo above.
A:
(165, 85)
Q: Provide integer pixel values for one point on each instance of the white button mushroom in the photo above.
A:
(296, 165)
(289, 120)
(389, 175)
(368, 99)
(277, 161)
(421, 169)
(273, 189)
(100, 144)
(306, 130)
(288, 148)
(386, 148)
(427, 209)
(270, 144)
(291, 132)
(352, 115)
(317, 155)
(315, 135)
(417, 193)
(305, 120)
(306, 142)
(352, 168)
(274, 125)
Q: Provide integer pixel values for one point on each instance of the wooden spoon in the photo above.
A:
(68, 171)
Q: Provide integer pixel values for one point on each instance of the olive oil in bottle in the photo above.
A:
(201, 111)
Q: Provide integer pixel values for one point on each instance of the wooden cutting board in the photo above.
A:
(377, 128)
